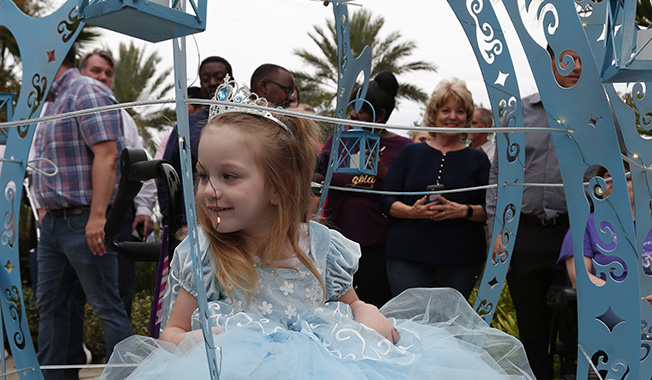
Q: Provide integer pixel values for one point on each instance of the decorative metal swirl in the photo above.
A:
(598, 188)
(618, 367)
(485, 308)
(646, 339)
(15, 312)
(8, 236)
(600, 358)
(34, 100)
(641, 102)
(565, 64)
(507, 112)
(501, 255)
(616, 269)
(585, 7)
(489, 46)
(532, 13)
(68, 28)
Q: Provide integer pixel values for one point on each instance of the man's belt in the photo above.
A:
(559, 220)
(70, 211)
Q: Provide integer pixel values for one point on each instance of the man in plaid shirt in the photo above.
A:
(85, 151)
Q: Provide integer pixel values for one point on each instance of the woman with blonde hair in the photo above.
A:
(438, 241)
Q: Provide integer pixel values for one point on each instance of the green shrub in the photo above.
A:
(145, 276)
(505, 316)
(32, 313)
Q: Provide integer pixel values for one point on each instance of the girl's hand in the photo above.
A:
(369, 316)
(197, 336)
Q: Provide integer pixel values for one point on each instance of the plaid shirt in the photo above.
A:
(67, 142)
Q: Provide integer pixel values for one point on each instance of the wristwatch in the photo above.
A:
(469, 211)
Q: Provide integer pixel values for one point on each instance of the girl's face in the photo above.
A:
(232, 185)
(451, 114)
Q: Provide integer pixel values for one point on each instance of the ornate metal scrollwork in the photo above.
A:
(8, 235)
(67, 28)
(15, 312)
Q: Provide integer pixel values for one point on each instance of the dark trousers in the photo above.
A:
(370, 281)
(533, 269)
(405, 274)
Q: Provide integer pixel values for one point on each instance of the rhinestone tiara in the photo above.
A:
(230, 91)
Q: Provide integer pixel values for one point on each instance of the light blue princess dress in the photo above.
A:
(287, 333)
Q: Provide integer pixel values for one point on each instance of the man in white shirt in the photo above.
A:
(482, 118)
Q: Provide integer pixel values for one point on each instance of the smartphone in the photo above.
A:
(139, 232)
(433, 197)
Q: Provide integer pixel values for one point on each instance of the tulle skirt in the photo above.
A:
(441, 338)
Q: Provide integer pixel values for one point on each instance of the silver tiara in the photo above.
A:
(230, 91)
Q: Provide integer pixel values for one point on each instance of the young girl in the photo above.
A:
(279, 287)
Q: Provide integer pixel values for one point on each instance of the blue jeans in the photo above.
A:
(63, 256)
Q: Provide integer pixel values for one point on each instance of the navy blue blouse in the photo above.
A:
(448, 242)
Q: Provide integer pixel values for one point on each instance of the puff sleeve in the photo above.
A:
(181, 275)
(337, 258)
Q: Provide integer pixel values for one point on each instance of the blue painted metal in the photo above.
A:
(485, 34)
(6, 104)
(180, 87)
(349, 67)
(593, 142)
(630, 117)
(623, 61)
(358, 149)
(41, 58)
(145, 19)
(358, 152)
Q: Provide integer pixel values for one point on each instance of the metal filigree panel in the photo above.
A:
(484, 32)
(609, 328)
(41, 59)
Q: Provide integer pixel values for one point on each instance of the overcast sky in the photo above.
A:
(249, 33)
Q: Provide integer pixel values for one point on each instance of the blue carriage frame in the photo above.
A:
(585, 133)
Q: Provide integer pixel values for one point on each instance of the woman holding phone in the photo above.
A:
(438, 241)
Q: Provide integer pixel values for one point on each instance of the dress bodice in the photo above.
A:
(282, 295)
(282, 292)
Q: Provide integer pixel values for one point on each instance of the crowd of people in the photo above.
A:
(263, 256)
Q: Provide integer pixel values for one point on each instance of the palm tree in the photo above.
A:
(389, 53)
(137, 79)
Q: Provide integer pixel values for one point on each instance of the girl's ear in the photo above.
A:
(274, 198)
(275, 195)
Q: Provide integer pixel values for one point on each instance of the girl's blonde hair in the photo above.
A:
(287, 164)
(446, 89)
